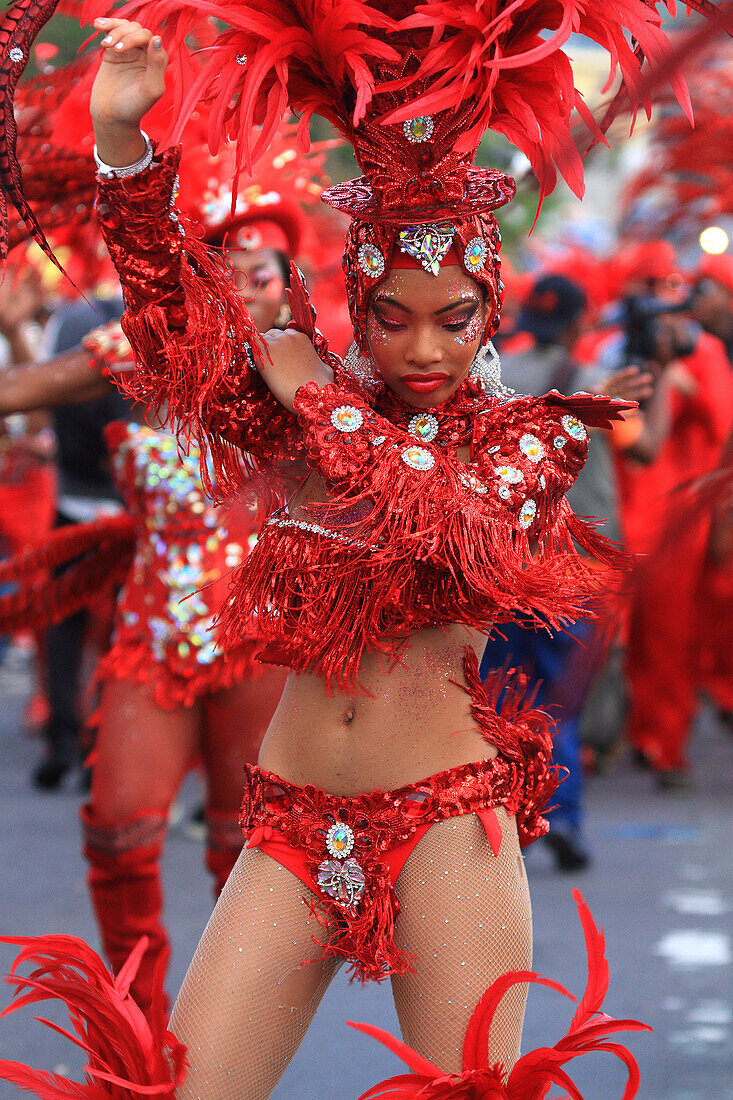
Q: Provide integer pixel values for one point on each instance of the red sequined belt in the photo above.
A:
(349, 851)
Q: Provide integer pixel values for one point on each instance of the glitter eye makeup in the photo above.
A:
(455, 324)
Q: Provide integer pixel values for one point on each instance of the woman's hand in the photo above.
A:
(294, 362)
(131, 80)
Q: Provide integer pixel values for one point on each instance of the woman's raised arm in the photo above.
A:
(197, 351)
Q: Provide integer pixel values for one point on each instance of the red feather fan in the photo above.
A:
(535, 1072)
(128, 1054)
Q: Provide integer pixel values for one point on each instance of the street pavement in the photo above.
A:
(661, 883)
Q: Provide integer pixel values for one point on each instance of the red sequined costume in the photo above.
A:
(408, 536)
(163, 631)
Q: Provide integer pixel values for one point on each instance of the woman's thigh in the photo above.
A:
(465, 916)
(142, 752)
(253, 985)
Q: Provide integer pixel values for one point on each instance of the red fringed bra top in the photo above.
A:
(389, 531)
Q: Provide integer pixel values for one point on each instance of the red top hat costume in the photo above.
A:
(410, 536)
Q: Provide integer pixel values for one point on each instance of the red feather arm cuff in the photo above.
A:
(194, 343)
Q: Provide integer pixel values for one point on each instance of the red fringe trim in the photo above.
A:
(170, 690)
(92, 557)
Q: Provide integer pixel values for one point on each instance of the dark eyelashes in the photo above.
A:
(451, 326)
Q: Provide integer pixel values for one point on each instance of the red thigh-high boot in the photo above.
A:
(224, 842)
(124, 882)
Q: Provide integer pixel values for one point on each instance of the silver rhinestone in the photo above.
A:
(242, 59)
(16, 55)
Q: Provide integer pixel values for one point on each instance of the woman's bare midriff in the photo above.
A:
(415, 721)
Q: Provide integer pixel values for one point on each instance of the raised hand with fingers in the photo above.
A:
(131, 80)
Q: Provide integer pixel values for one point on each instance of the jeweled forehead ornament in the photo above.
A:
(428, 244)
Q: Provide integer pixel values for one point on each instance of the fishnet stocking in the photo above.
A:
(466, 917)
(247, 1000)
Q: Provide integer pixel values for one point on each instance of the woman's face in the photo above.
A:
(259, 276)
(424, 331)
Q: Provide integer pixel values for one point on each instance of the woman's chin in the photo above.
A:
(428, 399)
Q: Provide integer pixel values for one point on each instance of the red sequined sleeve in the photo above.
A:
(194, 343)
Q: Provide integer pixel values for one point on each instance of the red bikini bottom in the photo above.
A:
(349, 851)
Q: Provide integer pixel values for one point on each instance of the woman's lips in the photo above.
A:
(425, 383)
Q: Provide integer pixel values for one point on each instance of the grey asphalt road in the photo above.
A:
(661, 883)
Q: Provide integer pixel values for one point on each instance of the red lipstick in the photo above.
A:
(425, 383)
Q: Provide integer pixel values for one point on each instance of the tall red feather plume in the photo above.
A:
(128, 1054)
(686, 182)
(318, 56)
(535, 1071)
(503, 63)
(511, 59)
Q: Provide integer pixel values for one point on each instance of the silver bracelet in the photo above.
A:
(110, 172)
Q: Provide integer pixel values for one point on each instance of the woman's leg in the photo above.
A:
(253, 986)
(234, 723)
(141, 756)
(465, 915)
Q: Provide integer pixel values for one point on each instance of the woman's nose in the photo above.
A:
(424, 349)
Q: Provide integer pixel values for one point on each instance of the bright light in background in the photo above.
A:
(714, 240)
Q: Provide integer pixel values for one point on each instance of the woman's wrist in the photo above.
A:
(119, 144)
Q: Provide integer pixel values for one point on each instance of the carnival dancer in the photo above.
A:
(429, 507)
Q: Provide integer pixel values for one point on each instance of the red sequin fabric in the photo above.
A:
(163, 633)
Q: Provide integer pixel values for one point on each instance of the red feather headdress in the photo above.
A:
(412, 87)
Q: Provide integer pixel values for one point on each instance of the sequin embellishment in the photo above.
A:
(510, 474)
(428, 244)
(527, 514)
(475, 253)
(574, 428)
(344, 882)
(530, 446)
(470, 481)
(424, 426)
(346, 418)
(371, 261)
(418, 130)
(340, 841)
(418, 458)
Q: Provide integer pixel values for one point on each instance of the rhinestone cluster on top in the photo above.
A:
(418, 130)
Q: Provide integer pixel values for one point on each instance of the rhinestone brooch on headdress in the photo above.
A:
(428, 244)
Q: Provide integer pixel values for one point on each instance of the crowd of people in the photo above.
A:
(223, 488)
